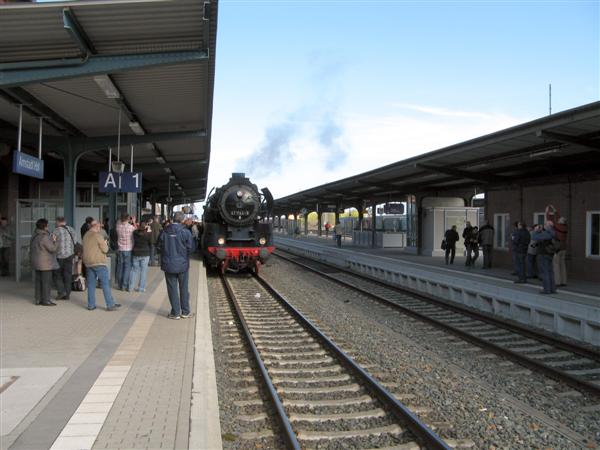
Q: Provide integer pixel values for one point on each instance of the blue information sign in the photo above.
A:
(28, 165)
(120, 182)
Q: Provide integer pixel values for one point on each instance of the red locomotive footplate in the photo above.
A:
(237, 252)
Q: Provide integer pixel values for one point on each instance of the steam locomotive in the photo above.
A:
(233, 237)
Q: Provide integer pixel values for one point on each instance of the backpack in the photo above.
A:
(551, 246)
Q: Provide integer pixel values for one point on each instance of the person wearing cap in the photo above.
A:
(95, 248)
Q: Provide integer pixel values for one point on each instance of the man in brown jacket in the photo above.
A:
(43, 260)
(95, 248)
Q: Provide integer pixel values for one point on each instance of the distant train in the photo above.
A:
(233, 238)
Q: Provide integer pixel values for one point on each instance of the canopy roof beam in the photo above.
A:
(569, 139)
(19, 74)
(484, 178)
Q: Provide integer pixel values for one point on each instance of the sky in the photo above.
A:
(308, 92)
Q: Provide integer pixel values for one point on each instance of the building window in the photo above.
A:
(592, 244)
(539, 218)
(502, 228)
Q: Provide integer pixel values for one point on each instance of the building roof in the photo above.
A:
(566, 143)
(159, 55)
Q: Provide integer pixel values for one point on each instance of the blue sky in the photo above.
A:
(307, 92)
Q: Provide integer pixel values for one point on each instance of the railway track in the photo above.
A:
(321, 396)
(576, 365)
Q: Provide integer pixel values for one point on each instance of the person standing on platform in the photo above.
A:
(486, 240)
(466, 235)
(95, 248)
(175, 244)
(513, 250)
(339, 230)
(558, 260)
(327, 227)
(141, 255)
(65, 240)
(520, 246)
(86, 226)
(6, 239)
(544, 239)
(451, 237)
(156, 229)
(43, 260)
(532, 251)
(125, 228)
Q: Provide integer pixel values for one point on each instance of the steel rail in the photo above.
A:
(520, 358)
(289, 434)
(423, 433)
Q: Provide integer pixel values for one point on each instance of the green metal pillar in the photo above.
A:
(70, 179)
(112, 209)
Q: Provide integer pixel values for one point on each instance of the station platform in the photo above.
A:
(131, 378)
(573, 312)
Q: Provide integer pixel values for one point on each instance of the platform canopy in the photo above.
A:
(566, 143)
(77, 64)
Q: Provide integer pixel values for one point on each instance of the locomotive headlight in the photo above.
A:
(262, 241)
(240, 194)
(221, 241)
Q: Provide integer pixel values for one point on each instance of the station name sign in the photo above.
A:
(25, 164)
(120, 182)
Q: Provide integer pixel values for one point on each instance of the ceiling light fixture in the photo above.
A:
(160, 160)
(136, 128)
(107, 86)
(544, 152)
(167, 169)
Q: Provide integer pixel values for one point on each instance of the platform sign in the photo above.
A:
(25, 164)
(328, 207)
(120, 182)
(394, 208)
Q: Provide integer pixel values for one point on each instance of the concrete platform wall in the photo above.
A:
(575, 320)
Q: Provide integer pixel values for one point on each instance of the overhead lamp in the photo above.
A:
(118, 166)
(160, 160)
(107, 86)
(544, 153)
(136, 128)
(167, 169)
(179, 187)
(172, 177)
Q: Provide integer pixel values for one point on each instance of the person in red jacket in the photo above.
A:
(561, 229)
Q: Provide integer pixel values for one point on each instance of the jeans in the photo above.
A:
(152, 253)
(547, 273)
(124, 269)
(180, 299)
(520, 261)
(4, 257)
(98, 273)
(560, 267)
(531, 265)
(487, 256)
(43, 284)
(338, 239)
(140, 266)
(450, 251)
(63, 276)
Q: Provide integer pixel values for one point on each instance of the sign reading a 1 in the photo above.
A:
(120, 182)
(28, 165)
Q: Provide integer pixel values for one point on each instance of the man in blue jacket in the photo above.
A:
(543, 237)
(176, 244)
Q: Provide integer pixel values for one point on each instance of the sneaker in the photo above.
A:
(187, 316)
(91, 308)
(174, 317)
(114, 307)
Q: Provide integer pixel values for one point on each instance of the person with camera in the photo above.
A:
(43, 250)
(142, 238)
(65, 241)
(95, 248)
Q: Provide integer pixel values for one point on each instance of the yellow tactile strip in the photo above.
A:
(83, 428)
